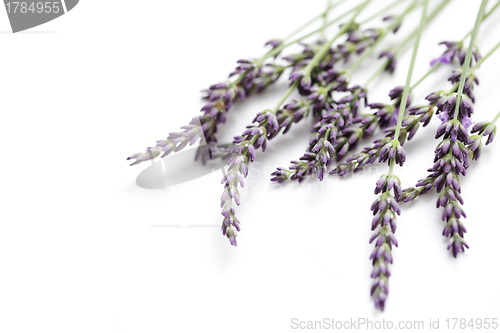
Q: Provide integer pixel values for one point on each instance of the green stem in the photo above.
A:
(406, 90)
(322, 15)
(324, 49)
(429, 72)
(495, 119)
(491, 123)
(283, 45)
(394, 4)
(320, 54)
(484, 18)
(431, 17)
(406, 41)
(391, 166)
(377, 73)
(381, 37)
(468, 57)
(325, 17)
(485, 57)
(438, 64)
(239, 78)
(287, 94)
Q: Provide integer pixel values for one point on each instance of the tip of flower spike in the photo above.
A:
(151, 153)
(231, 235)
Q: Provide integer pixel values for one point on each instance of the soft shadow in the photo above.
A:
(176, 169)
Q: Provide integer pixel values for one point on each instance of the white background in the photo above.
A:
(79, 250)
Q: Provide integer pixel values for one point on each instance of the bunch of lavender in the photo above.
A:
(338, 128)
(324, 144)
(453, 156)
(421, 114)
(253, 75)
(268, 124)
(332, 134)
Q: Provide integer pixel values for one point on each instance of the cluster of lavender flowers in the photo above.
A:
(452, 158)
(454, 50)
(332, 136)
(384, 223)
(266, 126)
(253, 75)
(314, 85)
(335, 131)
(384, 117)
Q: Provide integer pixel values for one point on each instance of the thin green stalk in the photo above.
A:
(394, 4)
(468, 57)
(491, 123)
(322, 15)
(429, 72)
(438, 64)
(431, 17)
(287, 94)
(380, 39)
(484, 18)
(325, 18)
(388, 29)
(283, 45)
(406, 90)
(485, 57)
(495, 119)
(324, 49)
(408, 39)
(319, 55)
(377, 73)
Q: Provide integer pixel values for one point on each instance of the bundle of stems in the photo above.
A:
(341, 118)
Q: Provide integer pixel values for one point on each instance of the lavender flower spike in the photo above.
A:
(267, 126)
(384, 209)
(151, 153)
(253, 75)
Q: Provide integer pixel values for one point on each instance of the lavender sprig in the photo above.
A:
(381, 148)
(452, 154)
(484, 129)
(268, 125)
(253, 75)
(386, 207)
(384, 224)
